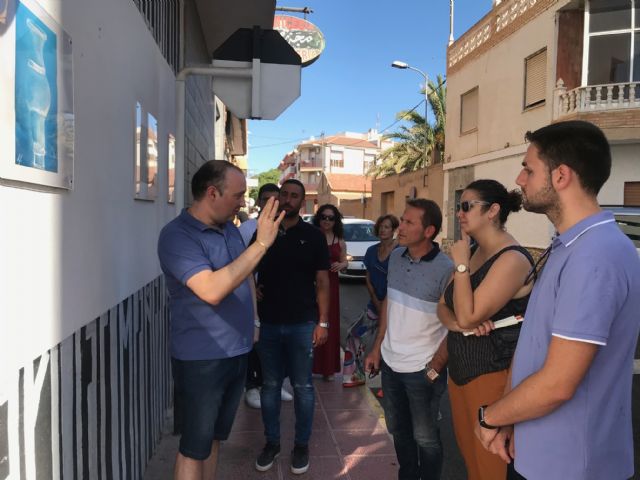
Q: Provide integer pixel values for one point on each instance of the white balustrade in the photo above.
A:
(504, 13)
(592, 98)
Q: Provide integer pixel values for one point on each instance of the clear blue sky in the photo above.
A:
(352, 86)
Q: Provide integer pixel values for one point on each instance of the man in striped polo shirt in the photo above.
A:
(410, 348)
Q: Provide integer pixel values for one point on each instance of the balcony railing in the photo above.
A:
(503, 14)
(311, 165)
(593, 98)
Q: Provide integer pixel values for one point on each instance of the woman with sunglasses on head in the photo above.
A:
(326, 358)
(376, 261)
(488, 284)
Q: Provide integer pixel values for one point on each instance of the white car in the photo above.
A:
(358, 235)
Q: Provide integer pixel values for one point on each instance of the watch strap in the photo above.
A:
(484, 424)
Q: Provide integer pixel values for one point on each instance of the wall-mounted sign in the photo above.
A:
(306, 39)
(36, 105)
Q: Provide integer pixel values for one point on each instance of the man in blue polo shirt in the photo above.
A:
(570, 399)
(208, 273)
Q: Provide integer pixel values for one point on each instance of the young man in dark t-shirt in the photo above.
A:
(293, 282)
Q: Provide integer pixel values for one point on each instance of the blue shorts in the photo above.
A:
(210, 392)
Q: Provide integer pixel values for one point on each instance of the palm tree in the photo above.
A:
(409, 153)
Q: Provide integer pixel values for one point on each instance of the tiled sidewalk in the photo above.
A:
(349, 441)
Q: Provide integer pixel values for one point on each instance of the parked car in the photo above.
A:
(358, 235)
(628, 219)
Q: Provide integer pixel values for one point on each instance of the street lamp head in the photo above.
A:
(399, 64)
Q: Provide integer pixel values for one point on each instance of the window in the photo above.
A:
(171, 169)
(632, 193)
(337, 159)
(613, 39)
(163, 21)
(145, 155)
(535, 79)
(369, 161)
(469, 111)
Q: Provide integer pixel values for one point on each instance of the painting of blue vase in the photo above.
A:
(36, 92)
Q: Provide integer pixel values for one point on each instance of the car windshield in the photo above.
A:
(359, 232)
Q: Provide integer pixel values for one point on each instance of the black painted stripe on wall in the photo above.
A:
(93, 406)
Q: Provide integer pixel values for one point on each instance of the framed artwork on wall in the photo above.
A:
(38, 110)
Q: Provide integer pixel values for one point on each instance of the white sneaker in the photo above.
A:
(285, 396)
(252, 397)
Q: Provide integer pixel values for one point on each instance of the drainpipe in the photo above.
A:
(181, 110)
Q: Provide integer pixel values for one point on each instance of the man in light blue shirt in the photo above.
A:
(570, 399)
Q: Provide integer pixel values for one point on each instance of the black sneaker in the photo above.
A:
(269, 453)
(300, 459)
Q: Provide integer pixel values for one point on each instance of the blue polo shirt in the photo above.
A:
(589, 291)
(200, 331)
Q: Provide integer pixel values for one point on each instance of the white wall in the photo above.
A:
(530, 229)
(499, 75)
(67, 257)
(625, 167)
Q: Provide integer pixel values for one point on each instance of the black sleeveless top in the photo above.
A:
(471, 356)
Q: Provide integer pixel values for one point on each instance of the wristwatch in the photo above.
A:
(323, 324)
(484, 424)
(462, 268)
(431, 373)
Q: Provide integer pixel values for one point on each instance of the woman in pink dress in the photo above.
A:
(326, 358)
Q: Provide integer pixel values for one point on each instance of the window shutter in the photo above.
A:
(536, 79)
(469, 111)
(632, 193)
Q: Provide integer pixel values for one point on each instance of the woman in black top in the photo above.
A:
(488, 285)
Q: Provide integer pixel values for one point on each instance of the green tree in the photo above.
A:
(269, 176)
(409, 153)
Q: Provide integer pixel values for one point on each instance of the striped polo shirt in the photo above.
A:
(413, 290)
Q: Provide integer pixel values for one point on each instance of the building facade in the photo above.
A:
(529, 63)
(85, 381)
(345, 153)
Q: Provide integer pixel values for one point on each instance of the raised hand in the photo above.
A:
(461, 250)
(268, 223)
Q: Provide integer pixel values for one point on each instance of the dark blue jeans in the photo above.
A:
(411, 406)
(287, 348)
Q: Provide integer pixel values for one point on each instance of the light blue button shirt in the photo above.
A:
(588, 291)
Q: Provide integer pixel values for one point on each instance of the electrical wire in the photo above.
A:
(402, 117)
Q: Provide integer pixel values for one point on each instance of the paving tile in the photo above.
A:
(352, 419)
(364, 442)
(375, 467)
(320, 468)
(352, 399)
(244, 469)
(242, 445)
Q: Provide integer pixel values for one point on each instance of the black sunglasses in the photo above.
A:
(468, 205)
(537, 267)
(331, 218)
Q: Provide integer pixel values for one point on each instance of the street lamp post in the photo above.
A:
(406, 66)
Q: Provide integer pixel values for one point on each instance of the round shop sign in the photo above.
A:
(305, 38)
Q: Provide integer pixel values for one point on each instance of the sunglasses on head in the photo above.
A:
(469, 204)
(330, 218)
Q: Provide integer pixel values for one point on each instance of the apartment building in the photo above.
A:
(348, 154)
(528, 63)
